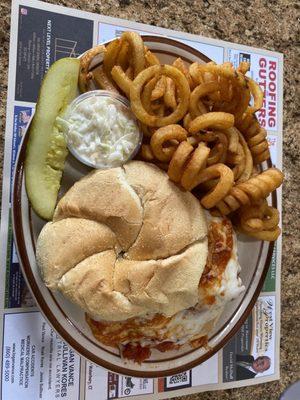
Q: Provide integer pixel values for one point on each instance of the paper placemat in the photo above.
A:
(36, 363)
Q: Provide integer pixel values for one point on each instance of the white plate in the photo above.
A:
(68, 320)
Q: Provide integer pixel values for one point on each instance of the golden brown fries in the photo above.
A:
(198, 123)
(111, 55)
(223, 186)
(196, 163)
(260, 221)
(121, 79)
(101, 80)
(179, 63)
(159, 89)
(211, 120)
(255, 137)
(255, 189)
(170, 94)
(181, 85)
(84, 75)
(248, 161)
(178, 161)
(151, 58)
(162, 136)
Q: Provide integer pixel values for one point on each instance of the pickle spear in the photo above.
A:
(46, 148)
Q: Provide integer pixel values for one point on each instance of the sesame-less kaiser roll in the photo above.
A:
(125, 242)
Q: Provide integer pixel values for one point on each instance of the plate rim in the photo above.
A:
(45, 309)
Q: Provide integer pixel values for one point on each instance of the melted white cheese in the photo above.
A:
(200, 320)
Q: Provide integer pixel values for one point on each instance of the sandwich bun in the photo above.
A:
(125, 242)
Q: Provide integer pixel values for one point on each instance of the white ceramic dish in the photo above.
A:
(69, 321)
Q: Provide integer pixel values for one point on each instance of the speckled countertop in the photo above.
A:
(268, 24)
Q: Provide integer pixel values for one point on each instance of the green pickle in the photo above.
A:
(46, 150)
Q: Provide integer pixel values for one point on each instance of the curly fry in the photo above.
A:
(239, 97)
(260, 217)
(251, 218)
(159, 89)
(219, 151)
(256, 188)
(221, 189)
(233, 139)
(255, 137)
(169, 95)
(272, 219)
(179, 64)
(240, 162)
(225, 70)
(248, 161)
(129, 72)
(233, 94)
(212, 120)
(196, 107)
(244, 67)
(257, 94)
(194, 141)
(260, 221)
(237, 157)
(151, 59)
(226, 90)
(102, 81)
(111, 55)
(215, 95)
(195, 73)
(123, 56)
(146, 94)
(85, 61)
(161, 110)
(163, 135)
(243, 95)
(186, 121)
(178, 161)
(156, 105)
(137, 50)
(196, 163)
(121, 79)
(136, 89)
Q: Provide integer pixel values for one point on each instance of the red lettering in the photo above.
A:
(272, 111)
(272, 87)
(272, 76)
(262, 62)
(262, 113)
(271, 122)
(272, 96)
(272, 65)
(262, 122)
(262, 73)
(263, 86)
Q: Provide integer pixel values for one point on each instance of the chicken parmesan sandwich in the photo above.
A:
(139, 255)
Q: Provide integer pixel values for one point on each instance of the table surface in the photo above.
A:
(271, 25)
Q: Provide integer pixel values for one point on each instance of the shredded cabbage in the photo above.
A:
(100, 132)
